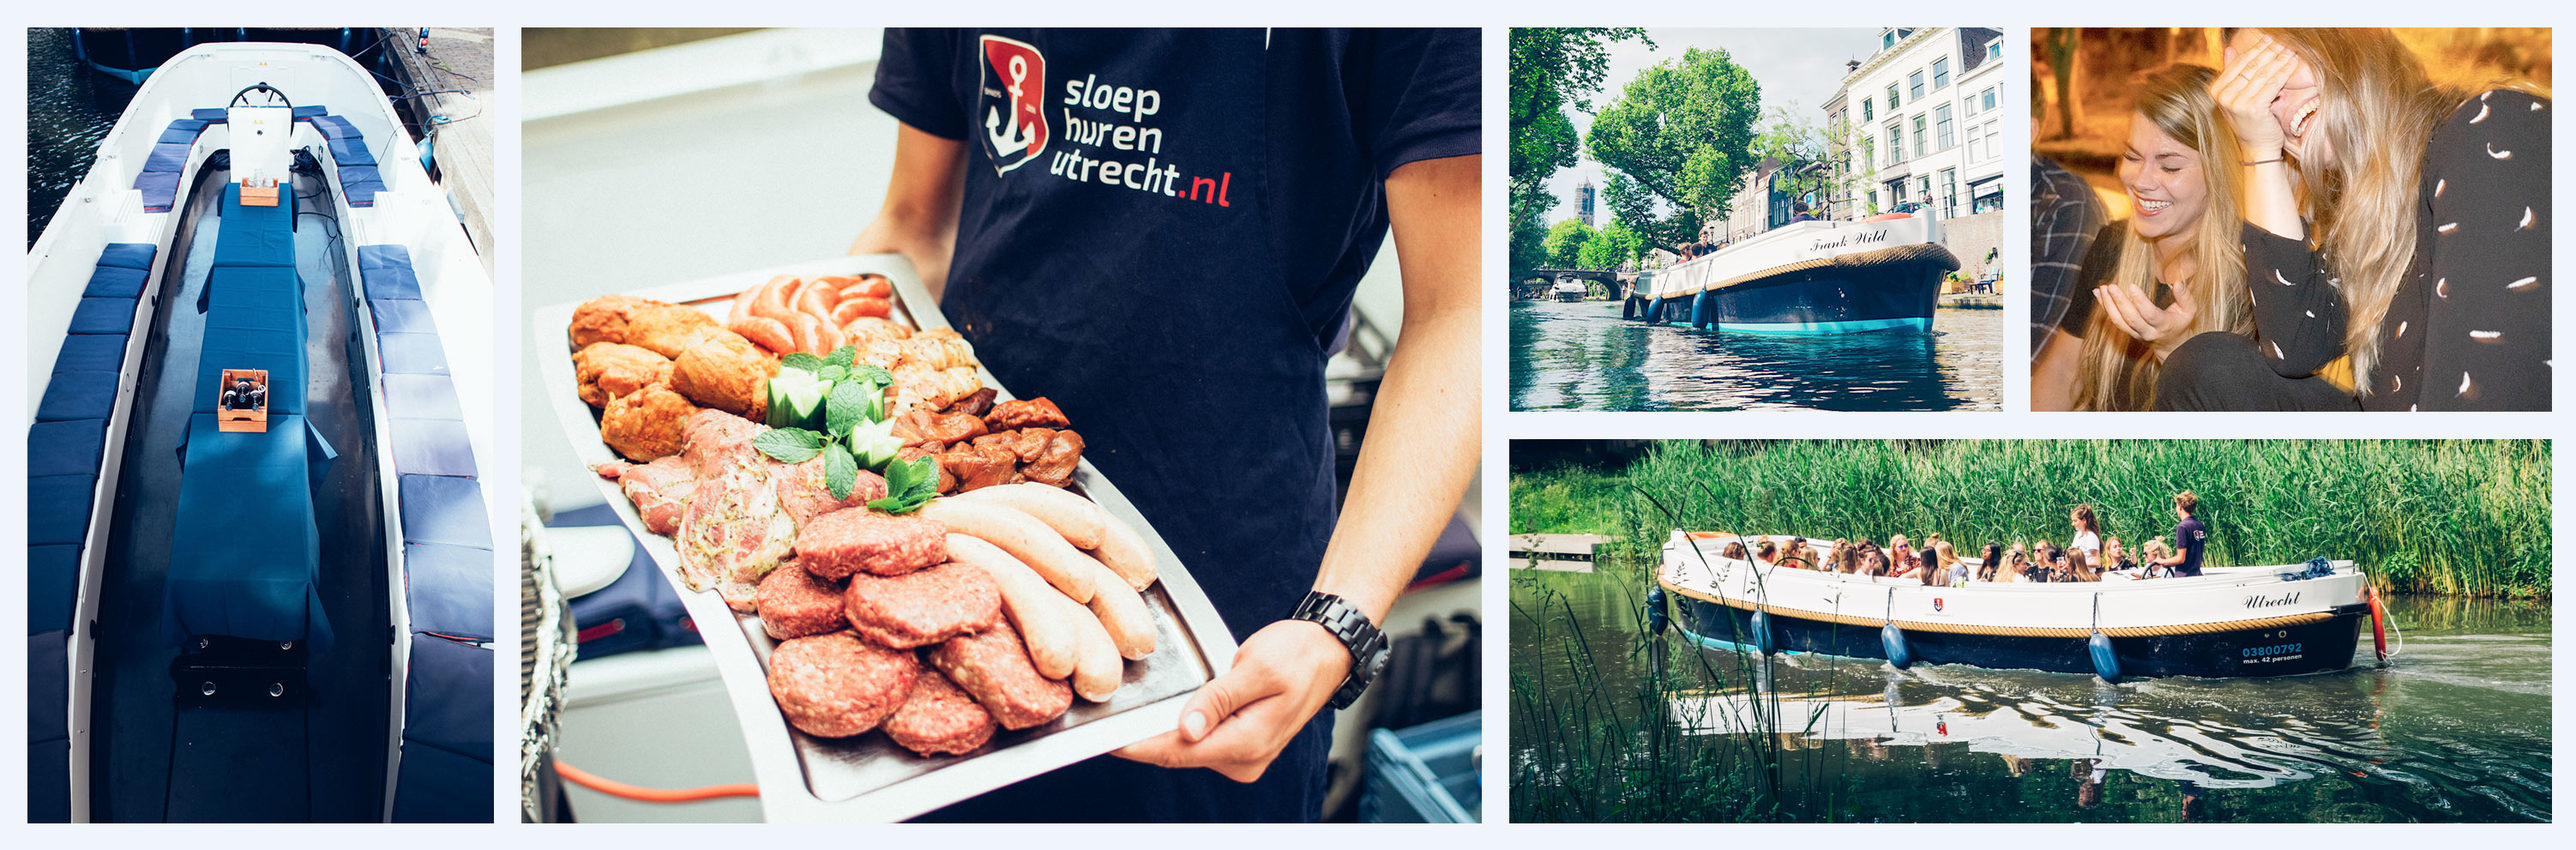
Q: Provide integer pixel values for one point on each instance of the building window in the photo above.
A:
(1919, 139)
(1866, 113)
(1887, 39)
(1976, 146)
(1891, 97)
(1873, 202)
(1949, 193)
(1914, 85)
(1988, 97)
(1895, 143)
(1868, 153)
(1995, 49)
(1941, 124)
(1940, 73)
(1923, 187)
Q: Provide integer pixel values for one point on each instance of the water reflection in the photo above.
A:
(1583, 356)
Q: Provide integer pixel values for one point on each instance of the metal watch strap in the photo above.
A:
(1361, 638)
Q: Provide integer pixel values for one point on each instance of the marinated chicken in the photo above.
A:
(647, 424)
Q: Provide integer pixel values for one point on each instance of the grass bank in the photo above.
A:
(2453, 517)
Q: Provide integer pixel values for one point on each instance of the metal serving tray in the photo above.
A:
(805, 778)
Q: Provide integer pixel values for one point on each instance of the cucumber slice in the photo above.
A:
(805, 405)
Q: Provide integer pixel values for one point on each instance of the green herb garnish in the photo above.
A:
(909, 485)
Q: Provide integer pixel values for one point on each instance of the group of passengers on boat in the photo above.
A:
(2086, 556)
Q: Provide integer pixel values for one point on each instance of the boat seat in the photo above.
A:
(159, 179)
(254, 551)
(49, 745)
(450, 589)
(351, 152)
(446, 770)
(417, 354)
(53, 586)
(78, 395)
(66, 446)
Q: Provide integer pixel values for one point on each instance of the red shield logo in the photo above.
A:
(1936, 603)
(1014, 124)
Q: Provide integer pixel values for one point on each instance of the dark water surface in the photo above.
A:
(2455, 728)
(68, 113)
(1582, 356)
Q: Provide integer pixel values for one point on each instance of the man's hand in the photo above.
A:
(1238, 723)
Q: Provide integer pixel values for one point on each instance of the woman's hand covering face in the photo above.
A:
(2245, 91)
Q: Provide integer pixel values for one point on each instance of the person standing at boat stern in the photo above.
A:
(1162, 231)
(2190, 537)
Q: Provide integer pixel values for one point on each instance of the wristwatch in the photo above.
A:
(1366, 643)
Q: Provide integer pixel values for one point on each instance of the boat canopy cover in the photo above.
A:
(245, 512)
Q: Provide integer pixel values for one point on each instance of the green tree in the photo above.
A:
(1552, 69)
(1565, 243)
(2063, 45)
(1679, 137)
(1614, 245)
(1803, 151)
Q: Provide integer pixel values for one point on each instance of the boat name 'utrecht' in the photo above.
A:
(2261, 601)
(1850, 239)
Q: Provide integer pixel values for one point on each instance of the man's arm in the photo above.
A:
(919, 218)
(1423, 442)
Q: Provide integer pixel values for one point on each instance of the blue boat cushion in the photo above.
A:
(411, 353)
(449, 589)
(78, 395)
(351, 152)
(443, 509)
(184, 130)
(359, 184)
(48, 663)
(210, 115)
(422, 397)
(435, 785)
(49, 774)
(312, 111)
(91, 353)
(114, 282)
(53, 585)
(168, 156)
(255, 321)
(245, 502)
(160, 188)
(386, 270)
(402, 315)
(103, 316)
(334, 127)
(66, 447)
(450, 704)
(254, 236)
(58, 508)
(127, 255)
(432, 447)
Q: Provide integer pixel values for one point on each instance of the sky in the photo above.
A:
(1800, 67)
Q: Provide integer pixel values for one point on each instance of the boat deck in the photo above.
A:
(321, 758)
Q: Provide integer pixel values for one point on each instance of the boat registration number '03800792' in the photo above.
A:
(2268, 654)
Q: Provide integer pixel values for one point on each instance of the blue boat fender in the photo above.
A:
(1654, 311)
(2106, 659)
(1656, 618)
(1762, 632)
(1703, 310)
(1893, 639)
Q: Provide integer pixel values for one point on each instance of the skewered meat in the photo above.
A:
(994, 667)
(836, 685)
(939, 718)
(865, 329)
(607, 370)
(853, 540)
(924, 606)
(1056, 463)
(1024, 444)
(804, 494)
(604, 319)
(922, 426)
(939, 348)
(727, 373)
(1018, 413)
(670, 329)
(795, 603)
(734, 531)
(918, 385)
(974, 466)
(660, 490)
(646, 424)
(976, 405)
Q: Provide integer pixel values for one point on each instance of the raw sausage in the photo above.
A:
(1073, 516)
(1028, 601)
(1021, 535)
(1122, 611)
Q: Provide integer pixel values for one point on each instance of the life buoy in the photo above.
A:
(1893, 639)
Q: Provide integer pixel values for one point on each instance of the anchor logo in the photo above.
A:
(1015, 127)
(1936, 604)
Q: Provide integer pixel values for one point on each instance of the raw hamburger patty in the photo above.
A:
(923, 607)
(836, 685)
(994, 667)
(794, 603)
(939, 719)
(854, 540)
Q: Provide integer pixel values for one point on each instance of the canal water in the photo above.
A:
(1582, 356)
(2455, 728)
(68, 114)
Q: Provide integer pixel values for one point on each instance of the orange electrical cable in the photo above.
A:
(615, 788)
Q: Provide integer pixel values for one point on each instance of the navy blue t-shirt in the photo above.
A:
(1161, 231)
(2190, 537)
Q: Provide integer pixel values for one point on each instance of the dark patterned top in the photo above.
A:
(2063, 218)
(2469, 328)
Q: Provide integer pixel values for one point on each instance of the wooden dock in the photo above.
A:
(449, 89)
(1570, 553)
(1974, 301)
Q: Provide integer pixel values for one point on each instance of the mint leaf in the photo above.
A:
(909, 485)
(842, 356)
(788, 445)
(840, 473)
(832, 372)
(801, 361)
(872, 372)
(848, 407)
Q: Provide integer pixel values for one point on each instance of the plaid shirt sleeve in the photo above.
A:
(2063, 219)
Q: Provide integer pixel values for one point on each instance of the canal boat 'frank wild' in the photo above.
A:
(260, 557)
(2228, 621)
(1883, 274)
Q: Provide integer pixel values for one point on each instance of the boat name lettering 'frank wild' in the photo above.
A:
(2261, 601)
(1850, 239)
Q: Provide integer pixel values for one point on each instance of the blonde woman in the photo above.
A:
(2402, 224)
(2171, 271)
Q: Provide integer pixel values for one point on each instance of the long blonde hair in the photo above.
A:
(2117, 372)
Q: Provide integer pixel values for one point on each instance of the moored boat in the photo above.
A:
(2226, 622)
(1883, 274)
